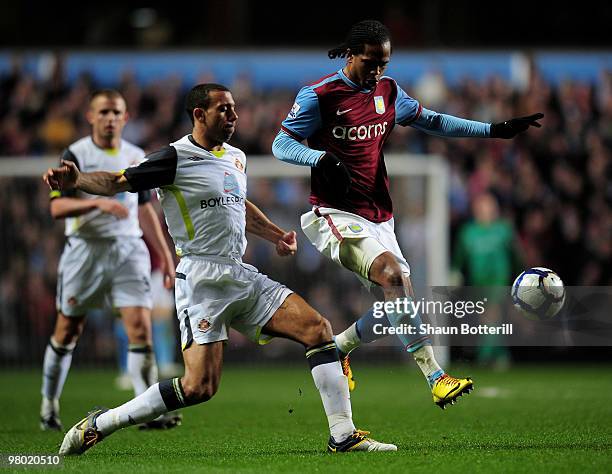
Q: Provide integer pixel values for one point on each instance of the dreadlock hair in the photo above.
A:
(198, 97)
(360, 34)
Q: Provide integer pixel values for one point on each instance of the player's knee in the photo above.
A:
(200, 391)
(65, 338)
(67, 332)
(138, 335)
(391, 277)
(319, 331)
(138, 331)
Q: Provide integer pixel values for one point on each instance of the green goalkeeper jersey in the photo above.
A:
(485, 252)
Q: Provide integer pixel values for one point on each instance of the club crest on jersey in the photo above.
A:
(204, 325)
(379, 104)
(230, 183)
(355, 228)
(239, 164)
(294, 110)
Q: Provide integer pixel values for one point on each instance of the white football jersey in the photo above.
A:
(202, 194)
(96, 224)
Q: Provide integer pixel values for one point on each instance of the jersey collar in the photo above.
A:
(108, 151)
(351, 84)
(218, 154)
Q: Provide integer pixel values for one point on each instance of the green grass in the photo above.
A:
(530, 419)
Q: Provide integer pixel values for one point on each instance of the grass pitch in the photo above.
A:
(530, 419)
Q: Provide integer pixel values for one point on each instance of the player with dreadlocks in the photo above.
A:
(346, 117)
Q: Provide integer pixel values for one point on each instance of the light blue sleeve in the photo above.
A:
(288, 149)
(406, 108)
(304, 117)
(444, 125)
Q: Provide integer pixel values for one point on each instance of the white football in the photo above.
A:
(538, 293)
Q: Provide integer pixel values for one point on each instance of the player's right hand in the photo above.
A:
(287, 244)
(62, 178)
(113, 207)
(336, 174)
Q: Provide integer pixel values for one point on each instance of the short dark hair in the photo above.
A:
(198, 97)
(108, 93)
(360, 34)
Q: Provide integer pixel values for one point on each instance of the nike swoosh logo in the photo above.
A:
(452, 390)
(342, 112)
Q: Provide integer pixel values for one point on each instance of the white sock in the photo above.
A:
(145, 407)
(425, 359)
(333, 387)
(348, 340)
(141, 367)
(56, 365)
(49, 407)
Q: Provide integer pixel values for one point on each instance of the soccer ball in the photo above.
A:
(538, 293)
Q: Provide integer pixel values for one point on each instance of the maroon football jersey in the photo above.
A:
(336, 115)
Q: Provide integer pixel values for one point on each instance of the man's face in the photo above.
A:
(485, 209)
(107, 116)
(220, 117)
(368, 67)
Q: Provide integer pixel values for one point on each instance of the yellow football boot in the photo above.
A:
(447, 389)
(346, 370)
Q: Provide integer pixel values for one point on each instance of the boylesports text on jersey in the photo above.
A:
(359, 132)
(230, 200)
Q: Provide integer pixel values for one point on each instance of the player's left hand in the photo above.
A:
(287, 244)
(511, 128)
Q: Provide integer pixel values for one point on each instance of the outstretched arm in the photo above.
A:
(102, 183)
(444, 125)
(157, 170)
(410, 112)
(257, 223)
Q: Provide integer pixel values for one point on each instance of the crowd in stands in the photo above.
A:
(554, 184)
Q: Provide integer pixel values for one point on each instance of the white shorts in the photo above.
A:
(215, 293)
(97, 272)
(327, 228)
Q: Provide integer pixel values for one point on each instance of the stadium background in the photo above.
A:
(484, 60)
(553, 184)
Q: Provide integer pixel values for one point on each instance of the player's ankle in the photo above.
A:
(347, 340)
(340, 426)
(435, 376)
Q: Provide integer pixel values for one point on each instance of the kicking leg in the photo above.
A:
(56, 364)
(298, 321)
(203, 364)
(445, 389)
(387, 273)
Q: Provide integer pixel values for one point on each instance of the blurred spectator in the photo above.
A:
(553, 184)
